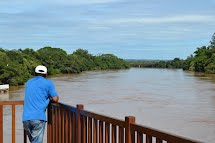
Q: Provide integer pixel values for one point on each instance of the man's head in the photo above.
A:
(41, 71)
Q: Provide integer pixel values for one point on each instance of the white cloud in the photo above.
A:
(151, 49)
(17, 6)
(81, 2)
(102, 1)
(59, 1)
(160, 20)
(99, 28)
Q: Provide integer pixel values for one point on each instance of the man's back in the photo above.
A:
(37, 93)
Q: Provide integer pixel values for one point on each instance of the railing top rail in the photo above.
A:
(161, 134)
(104, 118)
(21, 102)
(91, 114)
(67, 107)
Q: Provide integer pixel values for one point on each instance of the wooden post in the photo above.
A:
(1, 123)
(78, 120)
(13, 124)
(128, 121)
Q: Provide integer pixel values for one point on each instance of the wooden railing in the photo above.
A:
(62, 123)
(13, 121)
(67, 124)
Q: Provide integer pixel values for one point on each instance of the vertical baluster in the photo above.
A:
(121, 135)
(74, 127)
(132, 136)
(57, 124)
(13, 124)
(66, 127)
(100, 132)
(84, 129)
(53, 124)
(139, 137)
(95, 131)
(89, 130)
(114, 134)
(1, 123)
(71, 127)
(49, 131)
(158, 140)
(62, 125)
(107, 132)
(59, 117)
(148, 139)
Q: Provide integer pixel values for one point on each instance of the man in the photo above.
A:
(38, 93)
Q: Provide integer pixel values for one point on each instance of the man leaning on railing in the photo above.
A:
(38, 93)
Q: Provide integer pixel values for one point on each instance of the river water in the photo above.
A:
(175, 101)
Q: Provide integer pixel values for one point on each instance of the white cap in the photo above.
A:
(41, 69)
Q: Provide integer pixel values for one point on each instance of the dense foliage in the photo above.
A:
(17, 66)
(176, 63)
(202, 60)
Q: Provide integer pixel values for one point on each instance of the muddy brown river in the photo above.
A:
(175, 101)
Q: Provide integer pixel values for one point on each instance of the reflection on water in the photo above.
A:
(207, 77)
(14, 93)
(175, 101)
(4, 96)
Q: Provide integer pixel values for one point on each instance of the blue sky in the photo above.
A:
(129, 29)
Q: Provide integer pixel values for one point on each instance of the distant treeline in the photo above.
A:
(176, 63)
(202, 60)
(17, 66)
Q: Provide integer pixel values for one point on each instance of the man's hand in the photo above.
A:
(54, 99)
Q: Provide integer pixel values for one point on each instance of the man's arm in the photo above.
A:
(52, 92)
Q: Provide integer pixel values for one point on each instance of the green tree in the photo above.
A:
(52, 58)
(212, 42)
(17, 66)
(210, 68)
